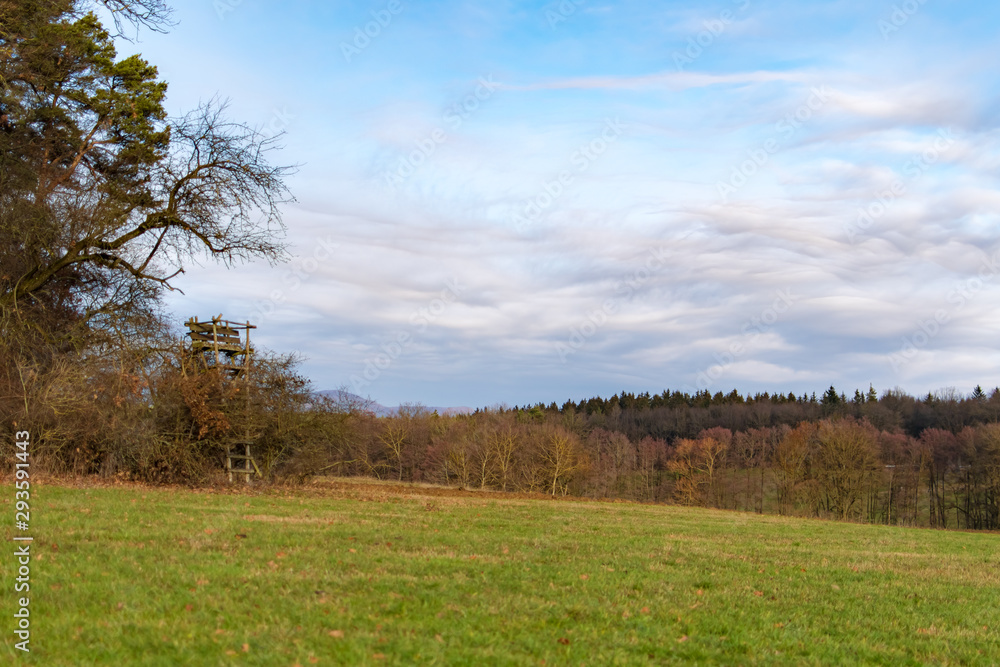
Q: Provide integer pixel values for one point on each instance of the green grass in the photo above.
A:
(136, 576)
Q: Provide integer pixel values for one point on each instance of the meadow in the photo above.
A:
(355, 572)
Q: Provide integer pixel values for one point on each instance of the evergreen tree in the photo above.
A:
(831, 397)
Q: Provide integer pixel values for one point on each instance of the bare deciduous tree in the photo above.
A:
(846, 458)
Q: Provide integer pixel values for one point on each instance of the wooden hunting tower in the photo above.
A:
(218, 343)
(224, 345)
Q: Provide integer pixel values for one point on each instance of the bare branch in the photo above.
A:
(152, 14)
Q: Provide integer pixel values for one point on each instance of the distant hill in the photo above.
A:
(347, 398)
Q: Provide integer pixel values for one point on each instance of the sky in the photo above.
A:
(512, 202)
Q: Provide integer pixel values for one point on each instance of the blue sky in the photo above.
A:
(512, 202)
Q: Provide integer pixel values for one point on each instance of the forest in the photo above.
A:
(890, 459)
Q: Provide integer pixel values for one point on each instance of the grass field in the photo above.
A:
(365, 573)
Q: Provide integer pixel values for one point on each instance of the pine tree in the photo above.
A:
(831, 397)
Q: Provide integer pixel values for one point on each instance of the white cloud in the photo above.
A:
(526, 289)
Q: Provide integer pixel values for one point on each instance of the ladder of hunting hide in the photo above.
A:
(249, 464)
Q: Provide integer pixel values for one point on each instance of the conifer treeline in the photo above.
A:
(679, 414)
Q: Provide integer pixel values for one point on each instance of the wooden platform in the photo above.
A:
(221, 344)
